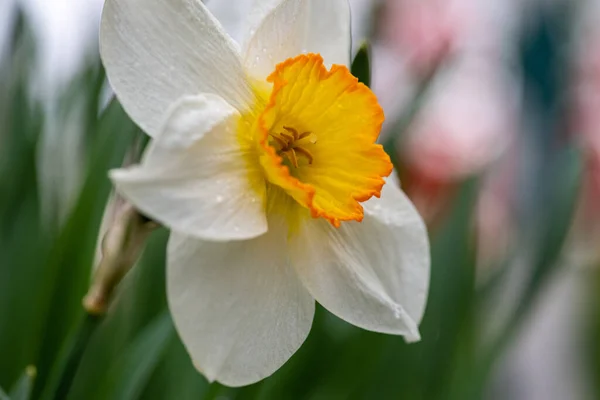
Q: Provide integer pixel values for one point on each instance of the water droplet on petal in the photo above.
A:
(397, 311)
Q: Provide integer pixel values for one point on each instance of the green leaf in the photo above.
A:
(131, 372)
(69, 358)
(24, 386)
(361, 65)
(176, 377)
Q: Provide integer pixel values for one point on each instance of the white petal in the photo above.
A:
(373, 274)
(157, 51)
(239, 308)
(409, 247)
(329, 31)
(300, 26)
(196, 177)
(236, 16)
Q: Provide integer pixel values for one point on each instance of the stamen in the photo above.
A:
(281, 142)
(305, 153)
(291, 154)
(288, 145)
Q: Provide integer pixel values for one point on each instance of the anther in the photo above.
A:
(289, 138)
(292, 131)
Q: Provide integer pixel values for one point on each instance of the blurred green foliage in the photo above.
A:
(135, 353)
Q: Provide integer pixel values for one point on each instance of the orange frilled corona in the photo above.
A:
(317, 138)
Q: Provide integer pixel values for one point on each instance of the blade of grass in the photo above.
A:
(140, 298)
(69, 358)
(68, 268)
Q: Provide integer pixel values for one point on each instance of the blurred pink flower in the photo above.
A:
(427, 31)
(587, 93)
(466, 123)
(469, 115)
(422, 30)
(587, 99)
(585, 125)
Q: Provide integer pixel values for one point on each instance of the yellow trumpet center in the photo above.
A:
(317, 136)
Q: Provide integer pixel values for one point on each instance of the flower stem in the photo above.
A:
(121, 247)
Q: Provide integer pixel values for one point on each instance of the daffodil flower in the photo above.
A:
(264, 165)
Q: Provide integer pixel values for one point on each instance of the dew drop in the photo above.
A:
(219, 199)
(397, 312)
